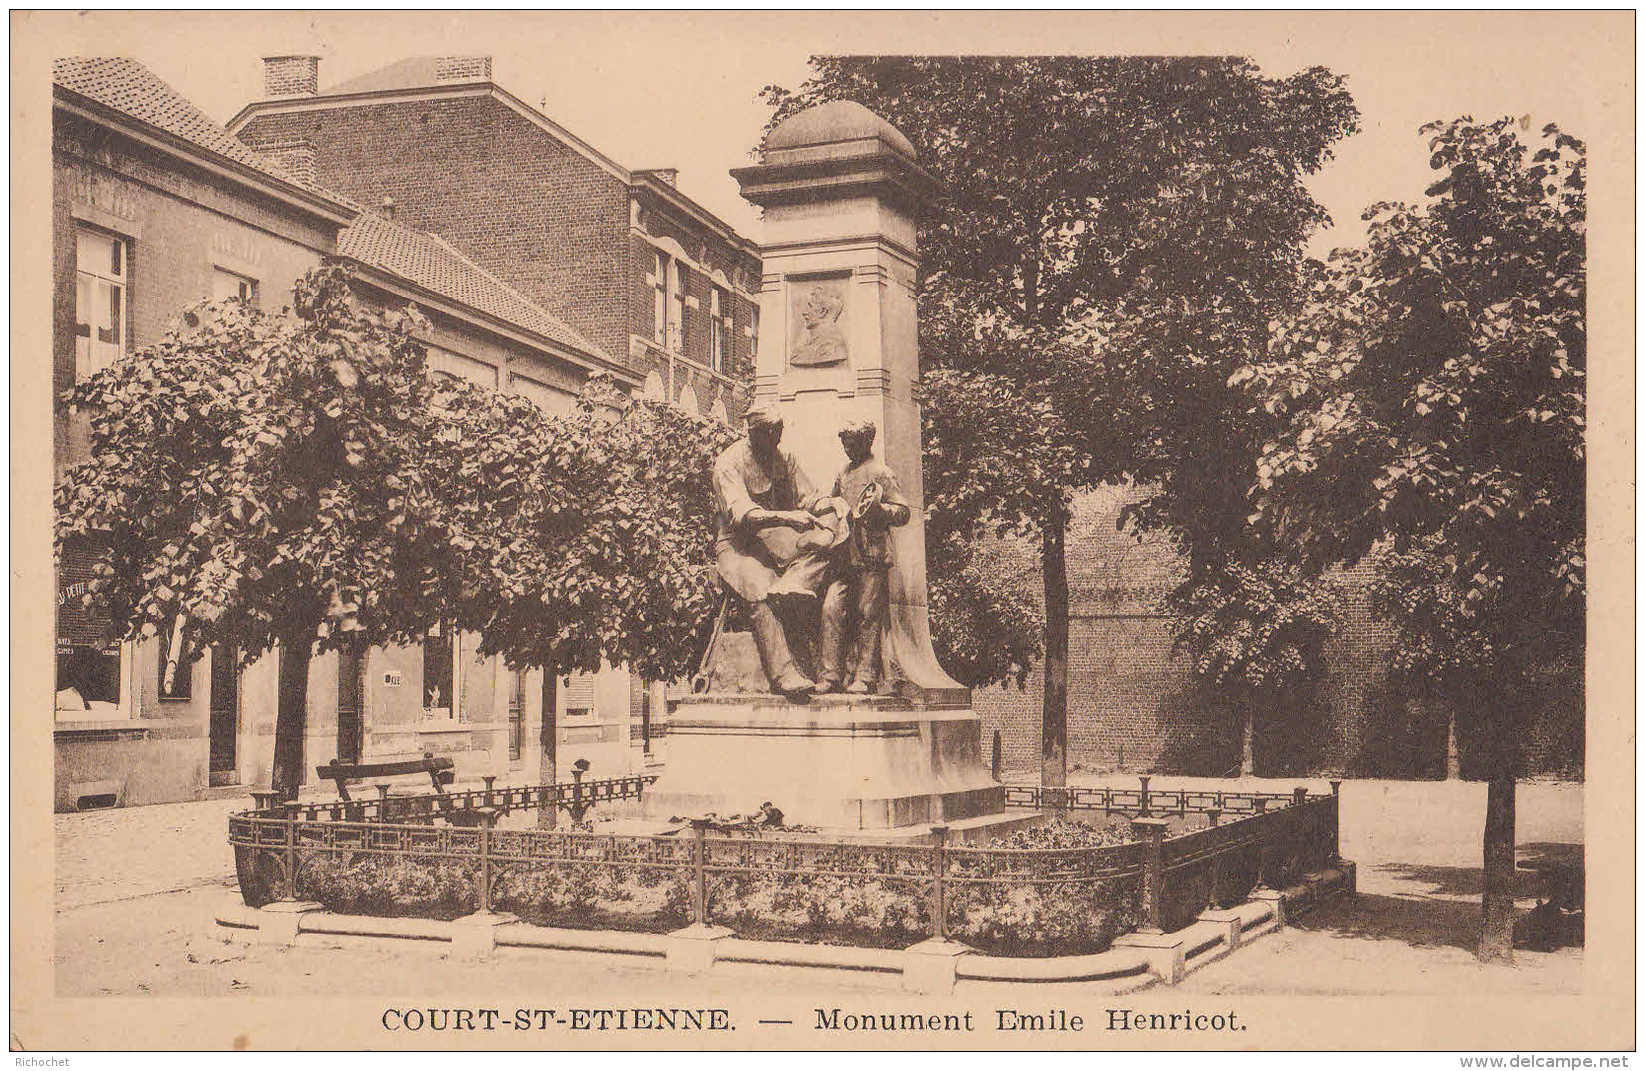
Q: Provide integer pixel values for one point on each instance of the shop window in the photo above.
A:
(93, 670)
(440, 677)
(175, 666)
(101, 262)
(228, 286)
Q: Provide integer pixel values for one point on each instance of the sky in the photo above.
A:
(661, 89)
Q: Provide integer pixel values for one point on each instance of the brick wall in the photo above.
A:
(462, 68)
(288, 76)
(1133, 704)
(513, 198)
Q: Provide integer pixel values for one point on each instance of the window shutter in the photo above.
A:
(579, 694)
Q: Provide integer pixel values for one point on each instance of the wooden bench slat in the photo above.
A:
(356, 771)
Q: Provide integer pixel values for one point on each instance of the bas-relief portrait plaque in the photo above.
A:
(162, 899)
(818, 311)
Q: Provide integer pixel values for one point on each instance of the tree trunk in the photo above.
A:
(291, 718)
(1496, 936)
(548, 740)
(1054, 712)
(1247, 744)
(1453, 755)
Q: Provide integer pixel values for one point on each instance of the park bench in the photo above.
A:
(438, 771)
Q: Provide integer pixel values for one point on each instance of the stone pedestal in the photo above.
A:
(837, 762)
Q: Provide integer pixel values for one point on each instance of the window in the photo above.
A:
(100, 263)
(549, 399)
(458, 366)
(93, 671)
(579, 695)
(176, 668)
(659, 297)
(719, 327)
(676, 306)
(440, 650)
(226, 285)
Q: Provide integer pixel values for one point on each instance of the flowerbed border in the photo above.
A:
(1136, 961)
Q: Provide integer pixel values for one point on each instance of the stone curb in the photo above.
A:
(1136, 961)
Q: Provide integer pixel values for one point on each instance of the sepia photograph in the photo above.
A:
(794, 530)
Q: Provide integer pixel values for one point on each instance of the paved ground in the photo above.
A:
(136, 888)
(130, 852)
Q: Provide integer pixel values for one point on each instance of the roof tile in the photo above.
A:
(433, 264)
(127, 86)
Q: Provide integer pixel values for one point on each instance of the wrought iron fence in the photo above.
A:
(574, 797)
(1015, 900)
(1145, 802)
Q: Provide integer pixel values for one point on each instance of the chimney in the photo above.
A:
(291, 76)
(386, 209)
(292, 154)
(462, 69)
(666, 175)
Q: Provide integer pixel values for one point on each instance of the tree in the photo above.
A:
(1115, 237)
(586, 538)
(995, 463)
(301, 481)
(593, 531)
(1433, 399)
(264, 479)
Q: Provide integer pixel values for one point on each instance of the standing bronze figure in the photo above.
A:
(854, 607)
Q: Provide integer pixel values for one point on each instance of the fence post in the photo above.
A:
(994, 764)
(1336, 822)
(1144, 779)
(485, 869)
(939, 899)
(699, 873)
(1151, 832)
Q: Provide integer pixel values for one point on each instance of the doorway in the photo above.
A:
(224, 730)
(516, 716)
(351, 696)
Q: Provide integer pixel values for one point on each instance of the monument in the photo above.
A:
(851, 723)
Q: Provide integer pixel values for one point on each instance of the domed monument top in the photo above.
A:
(835, 150)
(835, 123)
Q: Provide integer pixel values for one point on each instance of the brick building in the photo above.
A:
(154, 208)
(621, 255)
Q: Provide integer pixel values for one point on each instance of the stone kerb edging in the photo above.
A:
(1136, 960)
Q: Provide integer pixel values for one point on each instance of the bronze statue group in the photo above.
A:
(809, 566)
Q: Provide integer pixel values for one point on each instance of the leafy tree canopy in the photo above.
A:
(265, 476)
(1432, 393)
(1116, 236)
(592, 531)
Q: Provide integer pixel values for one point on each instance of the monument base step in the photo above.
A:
(838, 762)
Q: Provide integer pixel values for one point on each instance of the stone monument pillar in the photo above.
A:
(839, 327)
(842, 192)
